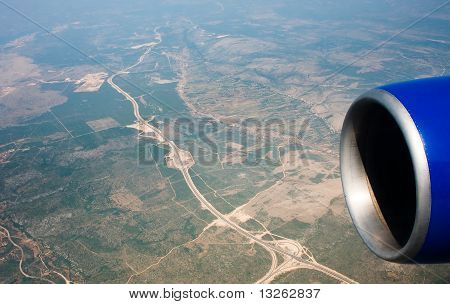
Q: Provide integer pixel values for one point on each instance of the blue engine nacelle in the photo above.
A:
(395, 167)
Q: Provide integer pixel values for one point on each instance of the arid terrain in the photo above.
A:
(195, 143)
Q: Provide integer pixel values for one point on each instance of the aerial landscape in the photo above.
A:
(195, 141)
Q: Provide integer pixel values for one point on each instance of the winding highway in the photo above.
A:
(181, 164)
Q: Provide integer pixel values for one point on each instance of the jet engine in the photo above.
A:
(395, 169)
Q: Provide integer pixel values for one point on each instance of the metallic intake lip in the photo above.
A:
(360, 200)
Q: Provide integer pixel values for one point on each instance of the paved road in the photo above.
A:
(187, 177)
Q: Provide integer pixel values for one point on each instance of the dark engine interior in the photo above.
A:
(389, 168)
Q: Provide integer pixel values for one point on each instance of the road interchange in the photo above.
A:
(181, 162)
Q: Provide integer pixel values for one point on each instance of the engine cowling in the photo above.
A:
(395, 169)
